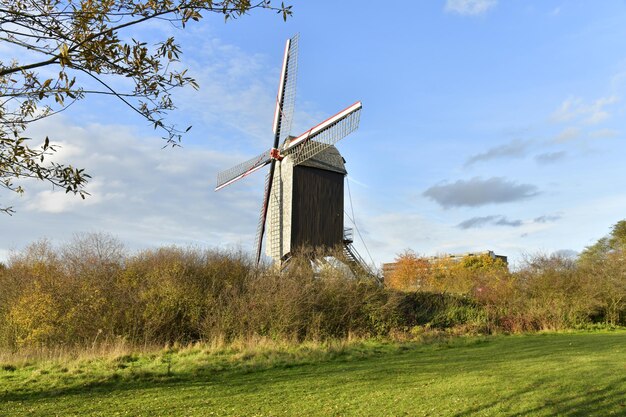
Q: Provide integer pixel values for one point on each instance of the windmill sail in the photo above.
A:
(278, 193)
(283, 115)
(324, 135)
(237, 172)
(261, 227)
(286, 97)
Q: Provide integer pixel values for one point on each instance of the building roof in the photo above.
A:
(329, 159)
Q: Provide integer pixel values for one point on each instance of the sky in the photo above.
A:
(486, 125)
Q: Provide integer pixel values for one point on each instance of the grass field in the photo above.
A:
(567, 374)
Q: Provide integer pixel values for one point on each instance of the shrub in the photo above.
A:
(91, 291)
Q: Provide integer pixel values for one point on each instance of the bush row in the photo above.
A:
(92, 291)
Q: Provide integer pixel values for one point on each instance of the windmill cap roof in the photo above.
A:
(329, 159)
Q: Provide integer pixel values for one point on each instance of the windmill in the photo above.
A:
(303, 199)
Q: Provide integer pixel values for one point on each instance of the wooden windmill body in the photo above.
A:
(306, 205)
(304, 187)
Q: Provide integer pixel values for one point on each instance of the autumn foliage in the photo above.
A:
(410, 272)
(546, 292)
(92, 291)
(442, 274)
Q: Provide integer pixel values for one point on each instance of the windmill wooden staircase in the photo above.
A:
(355, 262)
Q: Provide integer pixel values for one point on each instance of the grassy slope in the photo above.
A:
(580, 374)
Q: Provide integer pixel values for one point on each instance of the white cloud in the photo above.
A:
(567, 135)
(514, 149)
(470, 7)
(145, 195)
(494, 220)
(604, 133)
(237, 90)
(566, 111)
(597, 113)
(238, 93)
(548, 218)
(550, 157)
(57, 201)
(390, 233)
(576, 109)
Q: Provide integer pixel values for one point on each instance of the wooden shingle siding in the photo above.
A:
(317, 216)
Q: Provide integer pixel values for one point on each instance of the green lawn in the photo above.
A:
(572, 374)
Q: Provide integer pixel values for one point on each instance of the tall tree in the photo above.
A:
(83, 44)
(605, 264)
(613, 243)
(411, 272)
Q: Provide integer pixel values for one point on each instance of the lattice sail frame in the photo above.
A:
(286, 98)
(246, 168)
(324, 135)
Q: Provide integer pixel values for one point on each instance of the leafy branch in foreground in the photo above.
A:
(84, 48)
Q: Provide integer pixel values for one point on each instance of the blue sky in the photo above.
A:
(486, 125)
